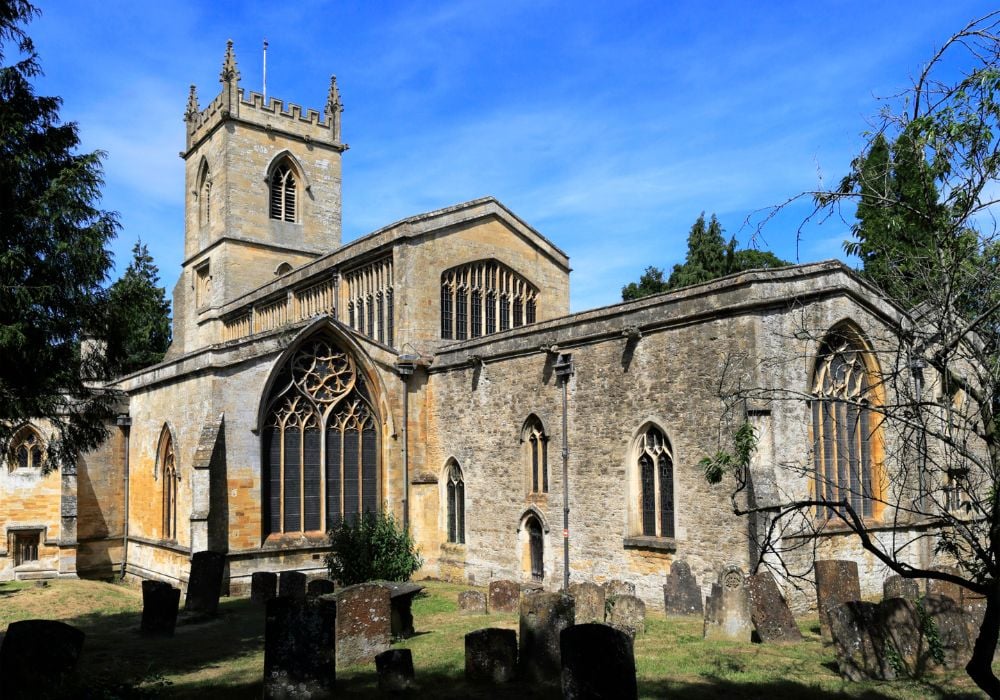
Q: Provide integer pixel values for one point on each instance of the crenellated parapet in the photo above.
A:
(233, 103)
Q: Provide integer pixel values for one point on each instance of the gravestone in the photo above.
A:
(836, 582)
(543, 617)
(159, 608)
(588, 600)
(472, 602)
(597, 662)
(364, 625)
(896, 586)
(614, 587)
(37, 657)
(205, 583)
(681, 592)
(860, 641)
(263, 586)
(628, 614)
(504, 596)
(401, 597)
(318, 587)
(947, 588)
(491, 655)
(300, 658)
(292, 584)
(769, 612)
(951, 621)
(727, 609)
(395, 670)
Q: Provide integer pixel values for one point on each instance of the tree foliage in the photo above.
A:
(709, 256)
(138, 332)
(53, 256)
(371, 548)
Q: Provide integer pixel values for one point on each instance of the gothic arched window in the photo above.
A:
(845, 429)
(283, 193)
(475, 295)
(204, 197)
(320, 444)
(655, 471)
(455, 497)
(26, 449)
(167, 461)
(537, 455)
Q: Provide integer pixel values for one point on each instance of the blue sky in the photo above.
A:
(608, 126)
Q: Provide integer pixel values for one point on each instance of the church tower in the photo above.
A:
(262, 196)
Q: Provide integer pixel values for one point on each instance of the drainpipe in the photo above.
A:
(564, 370)
(125, 423)
(405, 364)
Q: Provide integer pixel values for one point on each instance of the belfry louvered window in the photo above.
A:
(167, 463)
(455, 496)
(476, 295)
(656, 484)
(320, 442)
(283, 193)
(846, 439)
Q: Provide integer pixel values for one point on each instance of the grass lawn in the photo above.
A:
(224, 658)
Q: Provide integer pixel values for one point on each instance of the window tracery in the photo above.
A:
(283, 193)
(455, 497)
(475, 295)
(26, 449)
(655, 464)
(320, 444)
(167, 461)
(369, 300)
(537, 444)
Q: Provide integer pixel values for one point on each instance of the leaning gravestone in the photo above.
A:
(263, 586)
(292, 584)
(159, 608)
(491, 655)
(597, 662)
(836, 582)
(951, 621)
(472, 602)
(205, 583)
(860, 641)
(628, 614)
(727, 609)
(588, 600)
(769, 612)
(504, 596)
(318, 587)
(36, 657)
(395, 670)
(401, 597)
(614, 587)
(681, 592)
(364, 625)
(300, 658)
(896, 586)
(543, 617)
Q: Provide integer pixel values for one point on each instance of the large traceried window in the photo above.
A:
(455, 497)
(846, 435)
(655, 465)
(369, 300)
(283, 193)
(167, 462)
(320, 442)
(26, 450)
(536, 444)
(475, 295)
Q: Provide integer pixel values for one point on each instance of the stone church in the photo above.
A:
(432, 369)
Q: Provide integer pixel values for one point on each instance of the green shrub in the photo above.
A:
(371, 548)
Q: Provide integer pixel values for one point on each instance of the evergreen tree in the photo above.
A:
(139, 314)
(651, 282)
(53, 256)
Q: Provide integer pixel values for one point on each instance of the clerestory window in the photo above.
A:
(478, 297)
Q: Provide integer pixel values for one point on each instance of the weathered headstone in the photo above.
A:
(947, 588)
(628, 614)
(395, 670)
(299, 648)
(205, 583)
(727, 609)
(951, 621)
(614, 587)
(159, 608)
(681, 592)
(491, 655)
(36, 657)
(597, 662)
(263, 586)
(896, 586)
(543, 617)
(859, 640)
(472, 602)
(401, 597)
(836, 582)
(292, 584)
(318, 587)
(769, 612)
(364, 625)
(588, 599)
(504, 596)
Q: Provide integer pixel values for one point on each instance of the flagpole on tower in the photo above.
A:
(264, 88)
